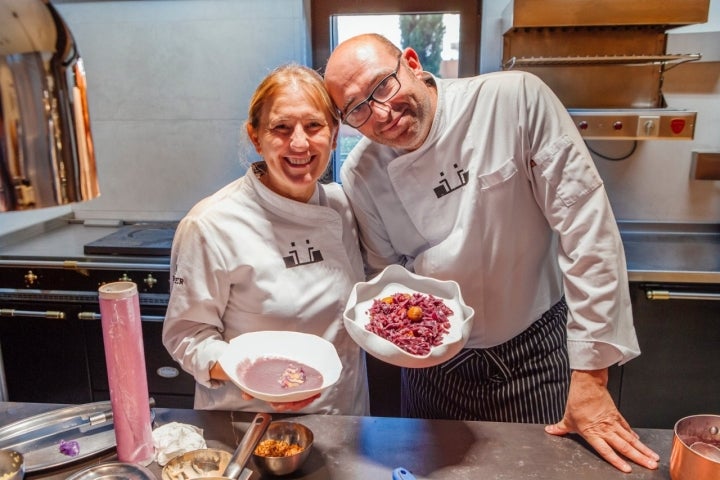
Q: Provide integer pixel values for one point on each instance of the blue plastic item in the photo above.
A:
(402, 474)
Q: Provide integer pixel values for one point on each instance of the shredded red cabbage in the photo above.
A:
(70, 448)
(414, 333)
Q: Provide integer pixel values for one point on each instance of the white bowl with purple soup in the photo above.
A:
(281, 366)
(408, 320)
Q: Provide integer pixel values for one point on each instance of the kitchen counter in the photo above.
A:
(371, 447)
(672, 252)
(656, 252)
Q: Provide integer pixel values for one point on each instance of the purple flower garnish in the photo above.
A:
(71, 448)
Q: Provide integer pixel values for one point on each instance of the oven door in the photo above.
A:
(43, 352)
(168, 384)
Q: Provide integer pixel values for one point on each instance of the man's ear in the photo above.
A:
(335, 137)
(413, 61)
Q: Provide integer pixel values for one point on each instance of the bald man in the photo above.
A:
(486, 181)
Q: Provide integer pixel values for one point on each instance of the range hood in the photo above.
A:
(605, 60)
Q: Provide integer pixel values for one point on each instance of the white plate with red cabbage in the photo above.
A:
(281, 366)
(404, 319)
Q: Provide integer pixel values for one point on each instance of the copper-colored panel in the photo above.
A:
(543, 13)
(559, 42)
(603, 86)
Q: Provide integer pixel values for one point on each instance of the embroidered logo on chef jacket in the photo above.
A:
(294, 260)
(445, 184)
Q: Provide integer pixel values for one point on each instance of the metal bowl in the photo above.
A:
(293, 433)
(12, 465)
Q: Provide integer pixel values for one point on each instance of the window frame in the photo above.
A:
(470, 11)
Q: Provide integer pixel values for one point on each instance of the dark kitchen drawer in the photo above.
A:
(167, 383)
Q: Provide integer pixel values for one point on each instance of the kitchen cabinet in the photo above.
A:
(169, 385)
(678, 372)
(44, 358)
(51, 355)
(50, 325)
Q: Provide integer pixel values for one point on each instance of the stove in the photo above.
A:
(49, 279)
(153, 239)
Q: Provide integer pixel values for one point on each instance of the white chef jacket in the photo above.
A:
(502, 197)
(246, 259)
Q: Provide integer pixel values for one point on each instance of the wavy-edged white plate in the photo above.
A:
(396, 279)
(305, 348)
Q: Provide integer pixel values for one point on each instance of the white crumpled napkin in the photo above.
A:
(174, 439)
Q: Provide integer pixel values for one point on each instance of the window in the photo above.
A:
(333, 21)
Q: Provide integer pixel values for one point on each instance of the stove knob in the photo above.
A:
(30, 278)
(125, 278)
(150, 281)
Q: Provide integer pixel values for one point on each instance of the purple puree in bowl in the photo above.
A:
(269, 375)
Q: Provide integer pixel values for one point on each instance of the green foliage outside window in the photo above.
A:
(424, 34)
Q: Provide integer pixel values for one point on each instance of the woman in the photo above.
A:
(273, 250)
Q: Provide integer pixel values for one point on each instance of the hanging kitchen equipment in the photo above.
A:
(47, 157)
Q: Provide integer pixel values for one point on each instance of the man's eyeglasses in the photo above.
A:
(383, 91)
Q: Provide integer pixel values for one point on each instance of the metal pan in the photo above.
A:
(38, 437)
(114, 470)
(687, 460)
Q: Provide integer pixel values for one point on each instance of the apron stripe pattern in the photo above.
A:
(525, 379)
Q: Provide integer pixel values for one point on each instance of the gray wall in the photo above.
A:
(169, 84)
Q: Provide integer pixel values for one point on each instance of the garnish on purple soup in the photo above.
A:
(70, 448)
(293, 376)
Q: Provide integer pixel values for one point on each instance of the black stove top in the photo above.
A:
(154, 239)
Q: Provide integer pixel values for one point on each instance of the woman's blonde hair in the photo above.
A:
(291, 74)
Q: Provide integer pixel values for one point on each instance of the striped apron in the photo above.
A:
(525, 379)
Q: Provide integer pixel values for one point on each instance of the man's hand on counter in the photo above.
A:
(591, 412)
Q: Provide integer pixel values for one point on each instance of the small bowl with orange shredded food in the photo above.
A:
(284, 448)
(407, 319)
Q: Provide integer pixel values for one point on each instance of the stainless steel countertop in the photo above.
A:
(63, 240)
(655, 252)
(672, 252)
(364, 448)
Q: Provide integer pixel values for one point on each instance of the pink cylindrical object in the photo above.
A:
(125, 358)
